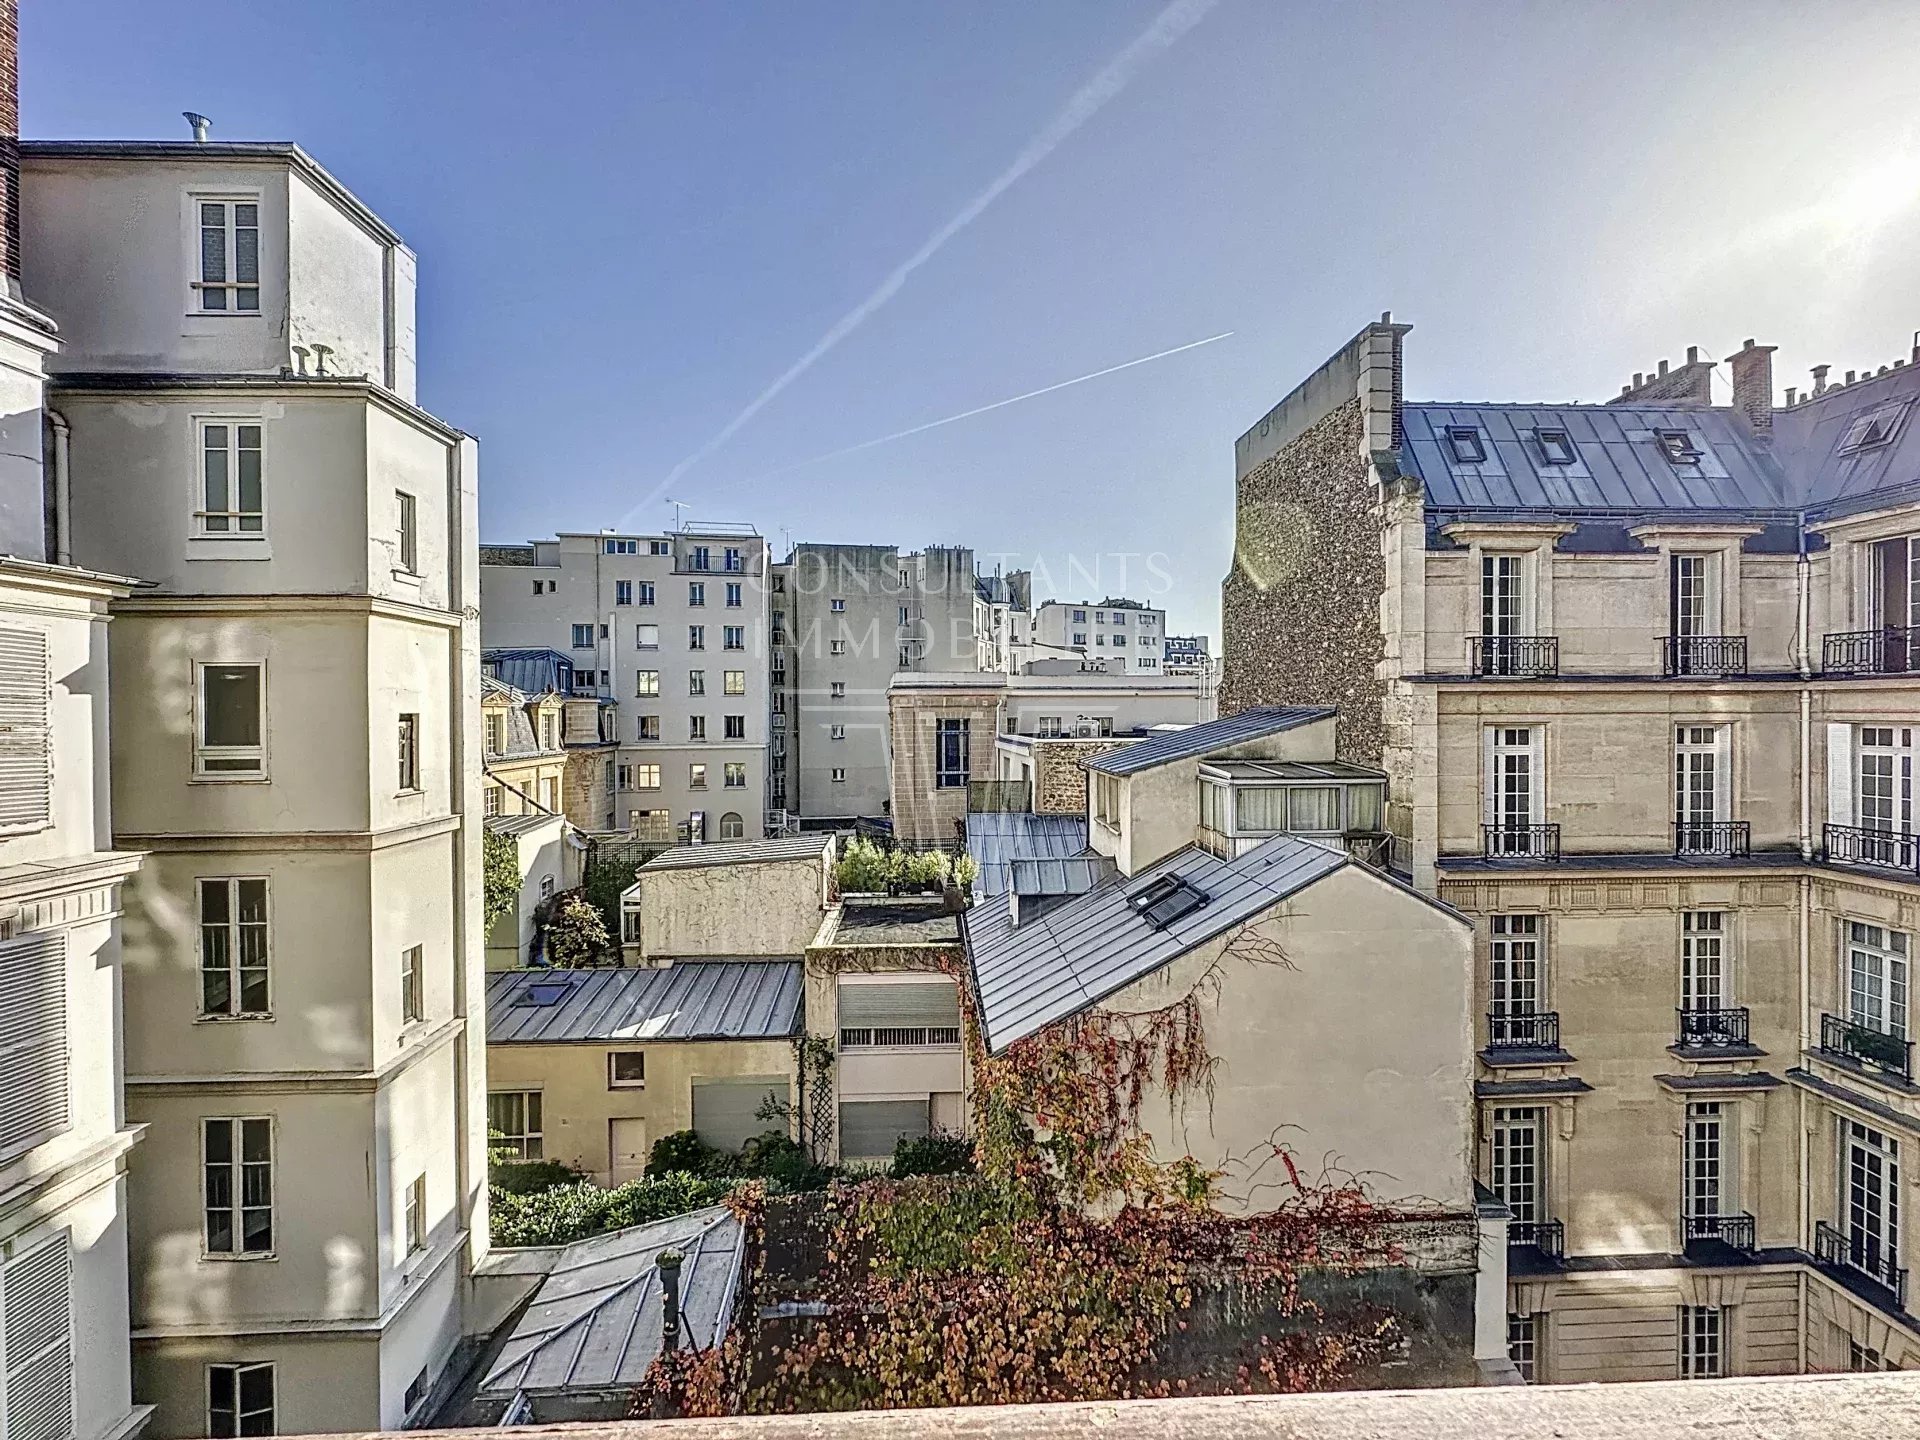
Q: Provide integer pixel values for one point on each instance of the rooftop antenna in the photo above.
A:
(200, 123)
(679, 506)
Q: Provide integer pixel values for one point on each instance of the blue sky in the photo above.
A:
(633, 217)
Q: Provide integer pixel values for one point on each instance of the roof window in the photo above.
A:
(1677, 446)
(1166, 900)
(545, 992)
(1874, 428)
(1556, 447)
(1467, 446)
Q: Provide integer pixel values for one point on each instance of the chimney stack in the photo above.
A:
(1820, 379)
(10, 143)
(1752, 368)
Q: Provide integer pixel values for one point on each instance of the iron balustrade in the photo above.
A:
(1890, 650)
(1541, 842)
(1547, 1237)
(1533, 655)
(1704, 655)
(1884, 849)
(1537, 1030)
(1864, 1255)
(1712, 837)
(1705, 1029)
(855, 1037)
(1734, 1231)
(1851, 1040)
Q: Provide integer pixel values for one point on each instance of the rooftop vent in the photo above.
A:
(200, 123)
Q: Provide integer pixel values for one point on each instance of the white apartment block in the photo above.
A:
(674, 628)
(1125, 636)
(295, 745)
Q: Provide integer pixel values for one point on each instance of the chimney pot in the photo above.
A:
(200, 123)
(1820, 378)
(1850, 375)
(1748, 345)
(1638, 379)
(1791, 392)
(1693, 354)
(1663, 367)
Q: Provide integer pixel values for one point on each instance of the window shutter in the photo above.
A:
(1839, 774)
(902, 1005)
(33, 1041)
(1537, 791)
(870, 1128)
(26, 756)
(1487, 811)
(1723, 773)
(726, 1112)
(36, 1344)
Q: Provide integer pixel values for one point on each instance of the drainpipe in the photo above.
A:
(62, 490)
(667, 1265)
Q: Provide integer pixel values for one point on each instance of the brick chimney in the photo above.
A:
(1683, 385)
(1752, 369)
(10, 142)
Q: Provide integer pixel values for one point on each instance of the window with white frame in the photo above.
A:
(37, 1341)
(696, 682)
(734, 595)
(646, 727)
(1515, 800)
(734, 727)
(496, 732)
(837, 689)
(838, 775)
(645, 683)
(732, 559)
(1502, 595)
(1707, 1171)
(1048, 727)
(1693, 595)
(696, 727)
(733, 682)
(696, 776)
(734, 775)
(1523, 1345)
(230, 699)
(645, 777)
(229, 270)
(237, 1185)
(1870, 1196)
(1518, 1170)
(26, 723)
(696, 592)
(1702, 1342)
(516, 1120)
(583, 637)
(1515, 968)
(1885, 778)
(836, 647)
(626, 1069)
(413, 1004)
(733, 637)
(491, 800)
(837, 605)
(1700, 782)
(232, 479)
(623, 592)
(732, 826)
(408, 770)
(1877, 978)
(235, 947)
(406, 525)
(646, 592)
(836, 732)
(629, 910)
(1703, 961)
(1106, 800)
(414, 1215)
(696, 637)
(241, 1400)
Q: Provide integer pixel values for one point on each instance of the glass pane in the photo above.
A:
(256, 1387)
(1314, 809)
(249, 480)
(213, 299)
(231, 701)
(245, 299)
(219, 1141)
(534, 1126)
(246, 214)
(220, 1231)
(220, 1387)
(213, 246)
(246, 249)
(215, 991)
(1363, 808)
(213, 903)
(256, 1186)
(257, 1230)
(253, 992)
(256, 1143)
(219, 1182)
(216, 467)
(253, 901)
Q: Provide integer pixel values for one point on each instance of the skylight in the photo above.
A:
(1467, 446)
(1166, 900)
(1677, 446)
(1873, 429)
(1556, 447)
(546, 992)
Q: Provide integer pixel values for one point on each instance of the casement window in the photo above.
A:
(696, 727)
(414, 1213)
(1523, 1345)
(696, 592)
(1516, 969)
(904, 615)
(645, 777)
(1106, 800)
(836, 647)
(1707, 1169)
(413, 1005)
(646, 592)
(1702, 778)
(37, 1342)
(1515, 789)
(1885, 778)
(630, 912)
(540, 587)
(622, 547)
(583, 637)
(696, 776)
(1865, 1360)
(697, 826)
(409, 750)
(626, 1069)
(546, 887)
(1878, 978)
(734, 682)
(951, 744)
(235, 947)
(237, 1185)
(623, 592)
(549, 730)
(696, 682)
(645, 683)
(736, 726)
(229, 270)
(515, 1118)
(734, 775)
(1518, 1171)
(659, 547)
(1677, 446)
(733, 637)
(407, 531)
(1466, 445)
(1693, 595)
(836, 689)
(646, 637)
(696, 637)
(230, 701)
(646, 727)
(837, 605)
(1702, 1342)
(1703, 961)
(1870, 1196)
(1147, 662)
(1079, 617)
(905, 658)
(1556, 447)
(733, 560)
(1048, 727)
(232, 484)
(836, 732)
(26, 732)
(1875, 428)
(734, 596)
(838, 776)
(490, 800)
(1079, 637)
(33, 1041)
(241, 1401)
(732, 827)
(1503, 595)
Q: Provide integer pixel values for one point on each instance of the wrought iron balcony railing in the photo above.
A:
(1890, 650)
(1539, 1030)
(1705, 1029)
(1533, 655)
(1540, 842)
(1891, 1054)
(1734, 1231)
(1547, 1238)
(1704, 655)
(1864, 1255)
(1712, 837)
(1884, 849)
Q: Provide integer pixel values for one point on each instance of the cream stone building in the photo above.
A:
(1641, 675)
(583, 733)
(295, 727)
(526, 763)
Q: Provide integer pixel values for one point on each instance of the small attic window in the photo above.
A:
(545, 993)
(1873, 429)
(1166, 900)
(1556, 447)
(1467, 446)
(1677, 446)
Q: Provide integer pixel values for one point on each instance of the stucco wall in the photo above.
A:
(770, 908)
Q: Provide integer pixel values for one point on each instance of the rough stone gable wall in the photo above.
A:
(1300, 609)
(1059, 779)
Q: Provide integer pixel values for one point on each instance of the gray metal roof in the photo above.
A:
(1291, 770)
(1809, 437)
(516, 825)
(1192, 740)
(996, 839)
(1073, 876)
(741, 852)
(1072, 957)
(595, 1321)
(689, 1000)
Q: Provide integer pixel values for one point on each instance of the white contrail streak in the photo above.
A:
(983, 409)
(1167, 28)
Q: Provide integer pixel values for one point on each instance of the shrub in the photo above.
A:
(567, 1213)
(966, 869)
(863, 867)
(684, 1153)
(939, 1153)
(576, 934)
(500, 877)
(529, 1177)
(927, 870)
(783, 1163)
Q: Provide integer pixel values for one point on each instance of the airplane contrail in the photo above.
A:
(1168, 26)
(983, 409)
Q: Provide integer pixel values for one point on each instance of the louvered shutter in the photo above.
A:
(869, 1129)
(899, 1005)
(33, 1041)
(26, 758)
(36, 1344)
(726, 1113)
(1840, 775)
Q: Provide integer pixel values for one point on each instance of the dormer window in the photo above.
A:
(1467, 446)
(1556, 447)
(1873, 429)
(1677, 446)
(1166, 900)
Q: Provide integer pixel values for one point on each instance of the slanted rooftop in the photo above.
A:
(687, 1000)
(514, 826)
(1290, 771)
(1204, 739)
(742, 852)
(995, 839)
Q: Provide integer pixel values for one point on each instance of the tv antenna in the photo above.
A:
(679, 509)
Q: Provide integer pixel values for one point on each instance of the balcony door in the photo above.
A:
(1518, 1171)
(1693, 596)
(1503, 612)
(1703, 971)
(1893, 599)
(1870, 1198)
(1700, 786)
(1885, 780)
(1878, 979)
(1515, 797)
(1514, 978)
(1705, 1168)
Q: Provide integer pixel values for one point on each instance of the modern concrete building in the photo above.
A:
(1188, 655)
(673, 628)
(1124, 636)
(1641, 674)
(294, 739)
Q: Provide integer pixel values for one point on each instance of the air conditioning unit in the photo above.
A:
(1085, 729)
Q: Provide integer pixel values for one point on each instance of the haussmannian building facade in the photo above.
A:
(295, 746)
(1642, 674)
